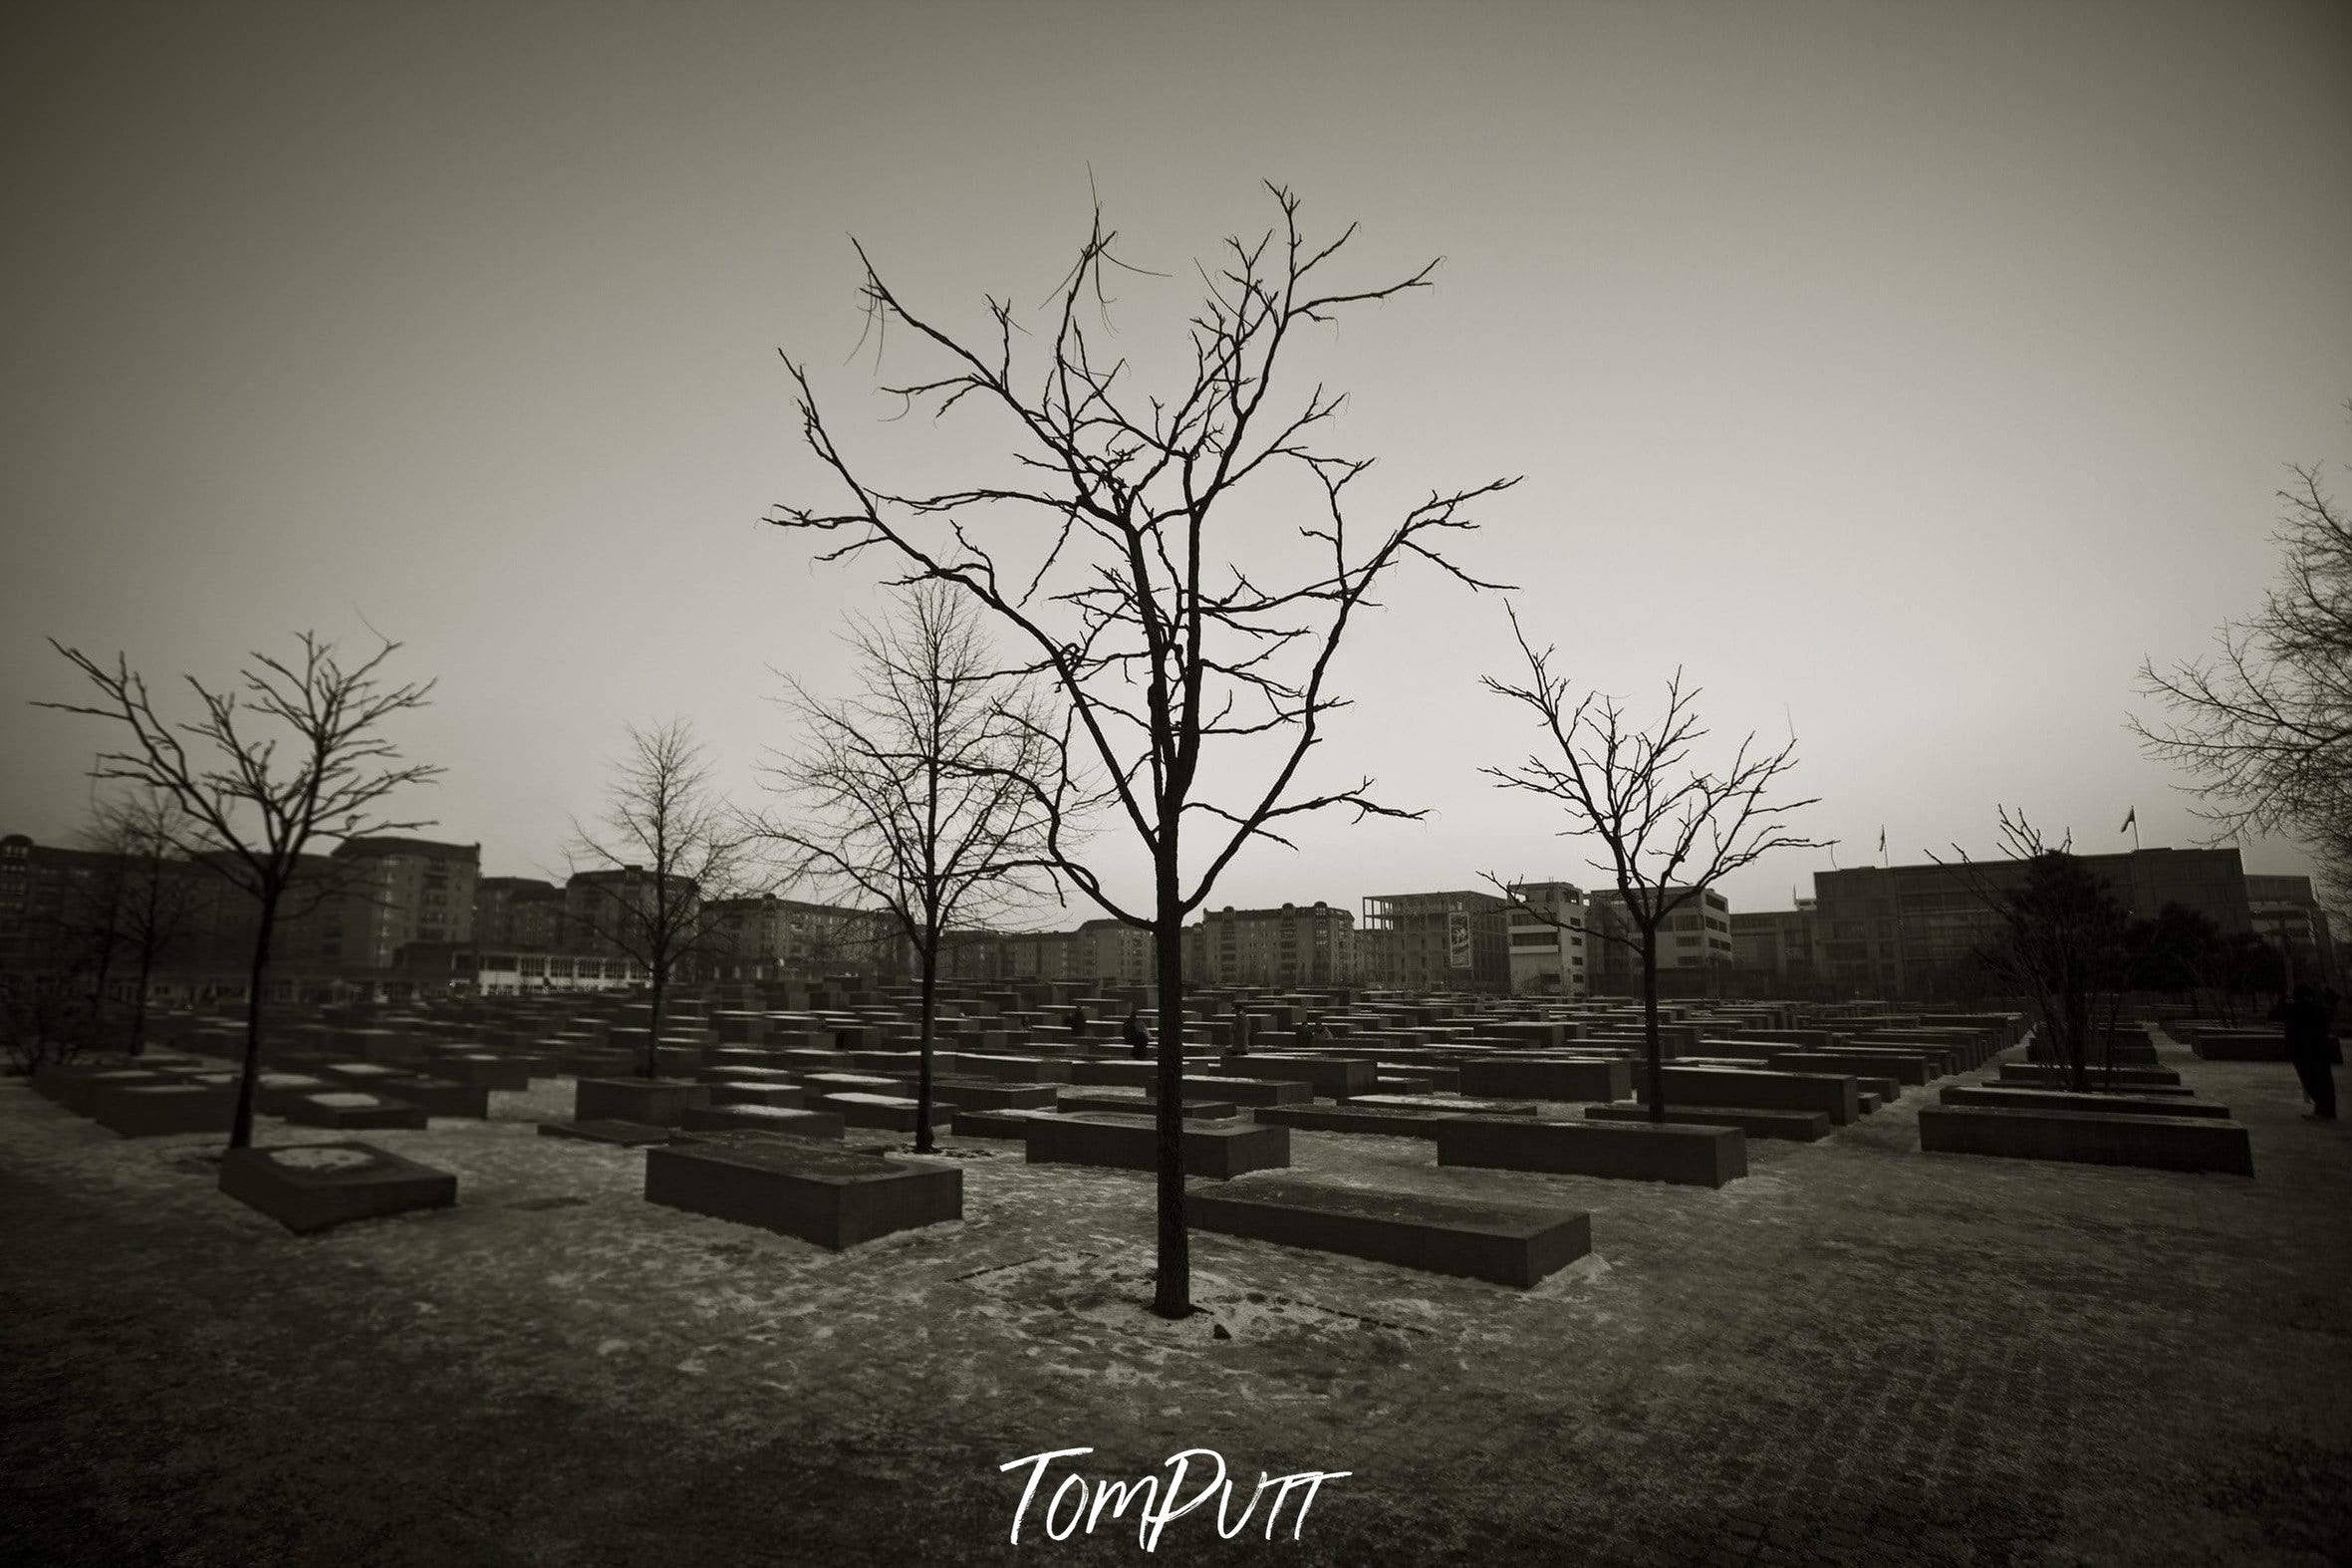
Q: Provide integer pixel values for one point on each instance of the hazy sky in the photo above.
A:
(1905, 371)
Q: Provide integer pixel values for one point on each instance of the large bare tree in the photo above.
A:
(2262, 728)
(1186, 638)
(912, 794)
(1672, 829)
(245, 810)
(668, 852)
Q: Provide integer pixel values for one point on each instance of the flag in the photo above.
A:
(1882, 838)
(2128, 818)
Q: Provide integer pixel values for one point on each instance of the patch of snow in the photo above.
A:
(322, 1158)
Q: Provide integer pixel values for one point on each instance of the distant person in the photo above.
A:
(1075, 1023)
(1137, 1039)
(1308, 1032)
(1241, 1029)
(2308, 1019)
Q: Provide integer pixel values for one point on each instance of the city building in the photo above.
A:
(391, 892)
(518, 912)
(1697, 935)
(1298, 944)
(772, 939)
(1548, 954)
(1777, 943)
(2285, 912)
(597, 903)
(1916, 930)
(1435, 941)
(433, 968)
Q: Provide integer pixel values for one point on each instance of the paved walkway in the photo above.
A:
(1858, 1353)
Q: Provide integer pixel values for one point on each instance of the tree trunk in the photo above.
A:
(139, 1004)
(98, 997)
(654, 1023)
(1172, 1296)
(1657, 1046)
(2077, 1040)
(923, 1069)
(241, 1126)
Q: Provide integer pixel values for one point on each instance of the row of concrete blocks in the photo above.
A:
(842, 1200)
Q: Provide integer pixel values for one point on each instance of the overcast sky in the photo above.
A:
(1906, 373)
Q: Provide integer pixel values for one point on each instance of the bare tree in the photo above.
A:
(670, 851)
(148, 892)
(2061, 940)
(1671, 831)
(337, 772)
(2263, 728)
(912, 792)
(1122, 575)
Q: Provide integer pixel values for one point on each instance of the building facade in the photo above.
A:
(1298, 944)
(1435, 941)
(1696, 933)
(1776, 942)
(1916, 930)
(772, 939)
(2285, 914)
(1548, 938)
(518, 912)
(391, 892)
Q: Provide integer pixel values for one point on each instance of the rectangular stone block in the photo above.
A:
(1128, 1105)
(2057, 1076)
(2210, 1047)
(1898, 1069)
(1503, 1243)
(161, 1110)
(273, 1091)
(836, 1200)
(888, 1113)
(1352, 1116)
(2163, 1143)
(1835, 1093)
(1444, 1105)
(977, 1121)
(481, 1070)
(312, 1187)
(784, 1097)
(596, 1061)
(1804, 1127)
(990, 1093)
(628, 1135)
(1704, 1155)
(1220, 1149)
(762, 1117)
(1248, 1091)
(75, 1089)
(1333, 1077)
(2018, 1098)
(1545, 1077)
(657, 1101)
(434, 1096)
(352, 1110)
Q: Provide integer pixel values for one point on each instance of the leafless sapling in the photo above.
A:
(1185, 639)
(247, 812)
(2060, 941)
(913, 795)
(149, 894)
(668, 853)
(1671, 831)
